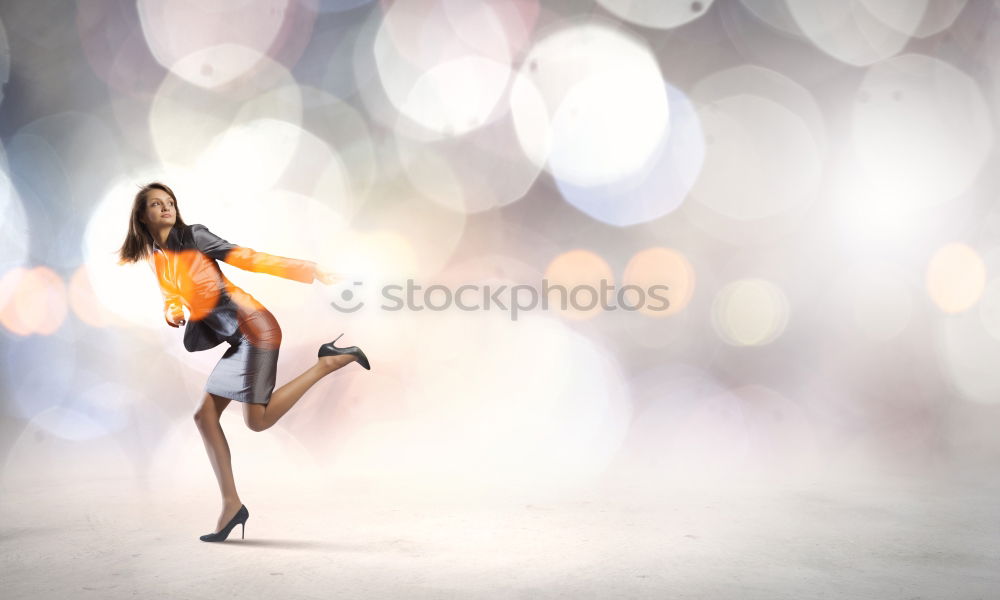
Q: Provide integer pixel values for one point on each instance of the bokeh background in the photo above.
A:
(815, 180)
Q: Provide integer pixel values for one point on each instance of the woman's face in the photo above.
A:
(159, 209)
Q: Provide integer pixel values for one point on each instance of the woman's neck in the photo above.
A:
(161, 234)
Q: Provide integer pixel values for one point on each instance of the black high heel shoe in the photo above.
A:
(329, 349)
(241, 517)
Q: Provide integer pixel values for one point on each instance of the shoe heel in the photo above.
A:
(221, 535)
(363, 360)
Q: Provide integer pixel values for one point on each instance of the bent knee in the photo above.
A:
(202, 416)
(254, 418)
(256, 426)
(210, 409)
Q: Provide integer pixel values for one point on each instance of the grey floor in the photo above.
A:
(900, 536)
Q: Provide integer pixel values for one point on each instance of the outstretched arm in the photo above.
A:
(249, 259)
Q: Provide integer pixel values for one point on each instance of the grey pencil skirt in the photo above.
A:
(247, 370)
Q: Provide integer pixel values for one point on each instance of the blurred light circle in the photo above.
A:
(317, 170)
(770, 85)
(761, 159)
(267, 144)
(215, 65)
(661, 14)
(443, 65)
(660, 186)
(212, 45)
(457, 96)
(184, 119)
(955, 277)
(482, 170)
(37, 302)
(336, 161)
(409, 54)
(750, 312)
(778, 209)
(849, 31)
(921, 129)
(578, 153)
(661, 267)
(590, 104)
(10, 288)
(764, 33)
(585, 279)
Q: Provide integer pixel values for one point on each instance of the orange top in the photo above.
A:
(188, 274)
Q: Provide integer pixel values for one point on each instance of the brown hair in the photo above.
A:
(139, 241)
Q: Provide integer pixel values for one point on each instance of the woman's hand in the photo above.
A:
(174, 314)
(326, 276)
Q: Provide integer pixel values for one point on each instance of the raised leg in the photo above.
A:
(207, 418)
(259, 417)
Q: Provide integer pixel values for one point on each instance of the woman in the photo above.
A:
(184, 260)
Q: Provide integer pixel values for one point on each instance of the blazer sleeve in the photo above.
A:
(249, 259)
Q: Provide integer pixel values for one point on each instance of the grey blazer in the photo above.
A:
(189, 275)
